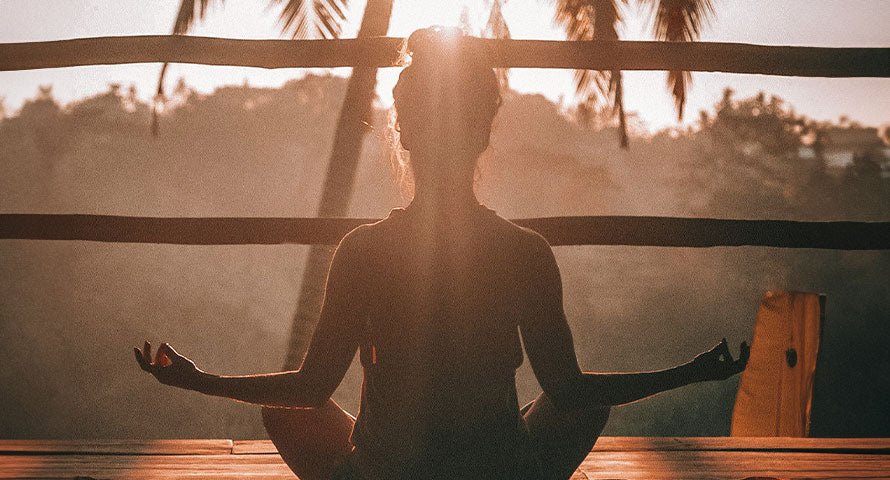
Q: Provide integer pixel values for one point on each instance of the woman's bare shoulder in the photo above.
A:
(364, 237)
(530, 249)
(524, 238)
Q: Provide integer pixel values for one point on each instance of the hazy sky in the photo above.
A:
(799, 22)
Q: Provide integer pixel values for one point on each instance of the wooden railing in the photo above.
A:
(383, 52)
(600, 230)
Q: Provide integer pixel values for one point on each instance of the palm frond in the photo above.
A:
(680, 21)
(313, 18)
(496, 27)
(185, 17)
(677, 82)
(577, 18)
(295, 17)
(596, 20)
(331, 15)
(302, 18)
(606, 20)
(618, 86)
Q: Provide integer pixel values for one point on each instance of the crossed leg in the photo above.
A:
(312, 441)
(563, 438)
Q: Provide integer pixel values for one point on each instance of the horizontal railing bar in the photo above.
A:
(587, 230)
(383, 52)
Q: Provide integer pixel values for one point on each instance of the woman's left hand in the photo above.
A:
(718, 364)
(168, 367)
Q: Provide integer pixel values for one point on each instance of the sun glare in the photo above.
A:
(409, 15)
(416, 14)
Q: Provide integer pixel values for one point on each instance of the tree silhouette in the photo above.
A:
(355, 116)
(675, 21)
(324, 19)
(299, 18)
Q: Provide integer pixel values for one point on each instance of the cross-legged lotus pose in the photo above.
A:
(435, 299)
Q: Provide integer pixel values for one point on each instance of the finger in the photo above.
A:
(161, 359)
(146, 352)
(745, 353)
(723, 350)
(169, 351)
(739, 365)
(166, 355)
(140, 358)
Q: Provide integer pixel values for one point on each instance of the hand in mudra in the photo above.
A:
(169, 367)
(718, 364)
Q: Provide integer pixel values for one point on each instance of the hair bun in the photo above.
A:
(448, 85)
(435, 43)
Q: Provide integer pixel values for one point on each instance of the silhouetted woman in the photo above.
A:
(435, 298)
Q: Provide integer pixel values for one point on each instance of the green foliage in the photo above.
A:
(757, 158)
(673, 21)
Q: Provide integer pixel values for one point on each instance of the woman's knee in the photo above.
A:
(285, 421)
(312, 441)
(544, 408)
(564, 438)
(595, 417)
(327, 424)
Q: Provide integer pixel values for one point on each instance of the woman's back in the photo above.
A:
(435, 297)
(440, 345)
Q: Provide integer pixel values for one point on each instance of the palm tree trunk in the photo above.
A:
(337, 190)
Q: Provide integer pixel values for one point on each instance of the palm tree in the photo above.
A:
(324, 19)
(302, 19)
(675, 21)
(355, 115)
(496, 27)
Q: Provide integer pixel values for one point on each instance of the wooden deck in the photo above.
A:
(612, 458)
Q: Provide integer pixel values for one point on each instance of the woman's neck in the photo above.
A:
(443, 191)
(443, 201)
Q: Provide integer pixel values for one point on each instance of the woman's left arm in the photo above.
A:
(330, 353)
(622, 388)
(551, 352)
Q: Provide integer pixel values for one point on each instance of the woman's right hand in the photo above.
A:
(169, 367)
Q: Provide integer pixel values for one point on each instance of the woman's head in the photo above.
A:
(446, 98)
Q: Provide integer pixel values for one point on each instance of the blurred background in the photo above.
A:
(253, 143)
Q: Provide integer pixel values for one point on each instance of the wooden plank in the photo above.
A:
(144, 466)
(763, 444)
(253, 447)
(626, 465)
(627, 444)
(383, 52)
(119, 447)
(585, 230)
(733, 465)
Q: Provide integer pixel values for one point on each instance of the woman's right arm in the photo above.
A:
(551, 351)
(330, 353)
(281, 389)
